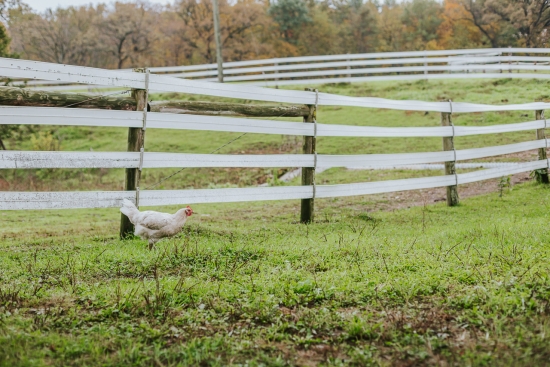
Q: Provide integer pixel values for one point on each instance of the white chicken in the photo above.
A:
(154, 226)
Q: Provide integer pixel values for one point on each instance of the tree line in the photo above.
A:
(123, 35)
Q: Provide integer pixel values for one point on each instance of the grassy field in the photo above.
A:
(158, 140)
(382, 280)
(244, 284)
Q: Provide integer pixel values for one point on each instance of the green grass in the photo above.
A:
(503, 91)
(244, 284)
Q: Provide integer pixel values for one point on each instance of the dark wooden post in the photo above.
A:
(450, 169)
(509, 62)
(136, 136)
(425, 63)
(349, 67)
(217, 38)
(541, 175)
(308, 173)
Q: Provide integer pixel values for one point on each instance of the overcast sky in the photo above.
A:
(42, 5)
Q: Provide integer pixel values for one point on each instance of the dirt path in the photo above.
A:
(407, 199)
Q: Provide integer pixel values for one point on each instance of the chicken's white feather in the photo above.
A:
(154, 226)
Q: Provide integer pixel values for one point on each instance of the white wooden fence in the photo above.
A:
(410, 65)
(86, 117)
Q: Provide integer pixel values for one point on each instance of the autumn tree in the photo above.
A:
(64, 35)
(126, 32)
(528, 18)
(137, 33)
(171, 47)
(244, 30)
(244, 27)
(391, 29)
(496, 31)
(457, 30)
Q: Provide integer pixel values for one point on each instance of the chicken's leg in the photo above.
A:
(151, 244)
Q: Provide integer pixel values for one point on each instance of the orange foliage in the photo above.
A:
(457, 30)
(137, 33)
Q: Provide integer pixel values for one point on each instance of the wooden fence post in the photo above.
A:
(308, 174)
(217, 38)
(425, 63)
(509, 62)
(136, 136)
(541, 175)
(348, 67)
(450, 169)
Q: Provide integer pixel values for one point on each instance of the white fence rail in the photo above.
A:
(129, 119)
(485, 63)
(85, 75)
(38, 159)
(109, 199)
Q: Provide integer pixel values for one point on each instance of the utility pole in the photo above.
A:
(218, 40)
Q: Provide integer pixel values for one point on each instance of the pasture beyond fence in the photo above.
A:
(137, 158)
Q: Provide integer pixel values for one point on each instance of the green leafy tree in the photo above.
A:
(5, 40)
(320, 37)
(422, 19)
(6, 131)
(291, 15)
(358, 25)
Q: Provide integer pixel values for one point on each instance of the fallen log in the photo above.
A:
(12, 96)
(229, 109)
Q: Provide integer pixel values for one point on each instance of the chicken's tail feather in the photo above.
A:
(129, 209)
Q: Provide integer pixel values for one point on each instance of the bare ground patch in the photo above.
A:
(405, 199)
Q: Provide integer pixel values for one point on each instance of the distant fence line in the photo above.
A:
(410, 65)
(138, 121)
